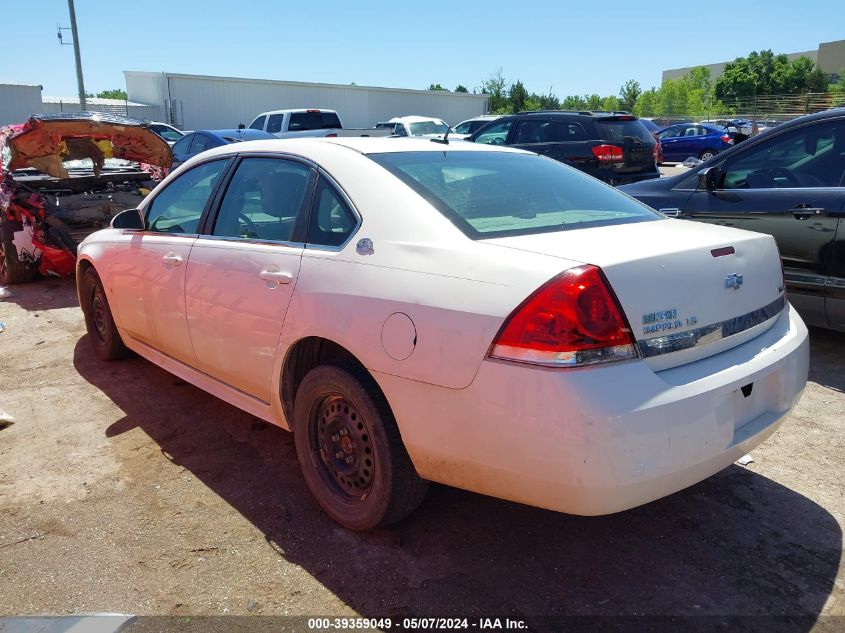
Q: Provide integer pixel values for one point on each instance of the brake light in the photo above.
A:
(312, 111)
(332, 135)
(727, 139)
(572, 320)
(608, 153)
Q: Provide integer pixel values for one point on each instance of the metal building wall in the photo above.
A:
(18, 102)
(202, 102)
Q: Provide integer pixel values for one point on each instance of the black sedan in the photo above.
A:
(788, 182)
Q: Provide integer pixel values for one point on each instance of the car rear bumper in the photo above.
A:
(602, 439)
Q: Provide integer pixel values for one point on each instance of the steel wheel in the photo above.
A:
(350, 450)
(98, 313)
(342, 448)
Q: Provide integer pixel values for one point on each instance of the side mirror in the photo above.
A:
(241, 126)
(708, 179)
(131, 219)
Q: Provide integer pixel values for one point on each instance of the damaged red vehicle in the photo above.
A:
(65, 176)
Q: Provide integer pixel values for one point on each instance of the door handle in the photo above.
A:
(802, 212)
(273, 276)
(172, 259)
(672, 212)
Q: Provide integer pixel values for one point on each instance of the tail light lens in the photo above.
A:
(727, 139)
(332, 135)
(608, 153)
(572, 320)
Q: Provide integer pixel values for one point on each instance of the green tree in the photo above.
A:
(548, 101)
(628, 94)
(517, 95)
(593, 101)
(611, 104)
(573, 102)
(117, 93)
(765, 73)
(437, 87)
(646, 104)
(494, 86)
(461, 88)
(839, 85)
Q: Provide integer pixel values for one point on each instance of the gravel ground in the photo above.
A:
(124, 489)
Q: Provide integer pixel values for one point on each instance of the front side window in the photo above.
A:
(258, 124)
(178, 208)
(263, 200)
(497, 194)
(496, 134)
(331, 220)
(812, 156)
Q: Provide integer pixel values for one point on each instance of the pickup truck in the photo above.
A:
(311, 122)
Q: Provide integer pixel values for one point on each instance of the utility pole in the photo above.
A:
(79, 81)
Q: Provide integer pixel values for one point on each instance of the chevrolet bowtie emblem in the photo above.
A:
(733, 281)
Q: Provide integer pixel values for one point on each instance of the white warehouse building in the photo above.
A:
(196, 102)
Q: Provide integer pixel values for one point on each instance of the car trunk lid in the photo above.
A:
(637, 143)
(688, 290)
(46, 142)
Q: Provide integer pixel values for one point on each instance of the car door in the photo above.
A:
(668, 138)
(532, 134)
(243, 269)
(182, 149)
(147, 281)
(791, 187)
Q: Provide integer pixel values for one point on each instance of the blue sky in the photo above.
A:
(592, 47)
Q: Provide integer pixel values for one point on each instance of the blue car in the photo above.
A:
(195, 142)
(701, 140)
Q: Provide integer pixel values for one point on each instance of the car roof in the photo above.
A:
(245, 134)
(308, 147)
(414, 119)
(296, 111)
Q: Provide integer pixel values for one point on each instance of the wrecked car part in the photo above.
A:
(65, 176)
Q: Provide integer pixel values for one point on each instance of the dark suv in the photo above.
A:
(612, 146)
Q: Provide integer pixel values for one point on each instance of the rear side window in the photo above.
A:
(563, 131)
(258, 124)
(274, 123)
(622, 130)
(177, 209)
(497, 194)
(313, 121)
(332, 221)
(202, 143)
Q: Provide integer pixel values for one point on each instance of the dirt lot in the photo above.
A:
(124, 489)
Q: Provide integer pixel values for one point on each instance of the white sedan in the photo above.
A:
(481, 317)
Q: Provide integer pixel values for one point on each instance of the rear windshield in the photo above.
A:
(422, 128)
(623, 130)
(313, 121)
(498, 194)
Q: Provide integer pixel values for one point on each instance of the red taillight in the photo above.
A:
(572, 320)
(608, 153)
(332, 135)
(727, 139)
(313, 111)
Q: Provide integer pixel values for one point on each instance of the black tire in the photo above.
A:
(362, 479)
(12, 269)
(98, 318)
(707, 154)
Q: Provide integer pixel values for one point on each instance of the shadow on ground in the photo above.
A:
(827, 358)
(737, 543)
(44, 293)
